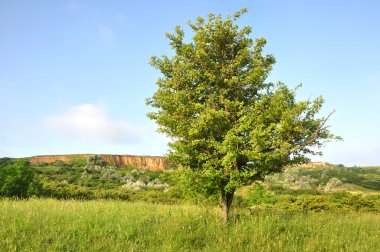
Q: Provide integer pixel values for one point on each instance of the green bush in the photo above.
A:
(94, 160)
(341, 201)
(357, 202)
(17, 179)
(257, 195)
(307, 203)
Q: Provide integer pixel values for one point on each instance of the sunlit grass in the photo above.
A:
(54, 225)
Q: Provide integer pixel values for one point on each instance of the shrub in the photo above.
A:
(307, 203)
(96, 160)
(59, 163)
(17, 179)
(257, 195)
(338, 201)
(333, 185)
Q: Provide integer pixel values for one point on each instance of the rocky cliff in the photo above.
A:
(153, 163)
(315, 164)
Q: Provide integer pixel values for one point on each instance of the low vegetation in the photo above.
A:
(329, 178)
(103, 225)
(101, 207)
(332, 187)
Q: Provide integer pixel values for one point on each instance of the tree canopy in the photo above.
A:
(227, 123)
(17, 179)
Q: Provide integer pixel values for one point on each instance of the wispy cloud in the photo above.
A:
(90, 122)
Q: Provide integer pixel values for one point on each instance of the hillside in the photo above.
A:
(113, 171)
(311, 187)
(327, 178)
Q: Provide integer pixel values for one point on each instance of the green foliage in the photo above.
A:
(300, 180)
(363, 179)
(67, 191)
(278, 191)
(335, 202)
(357, 202)
(309, 200)
(333, 185)
(4, 161)
(190, 187)
(96, 160)
(227, 123)
(257, 195)
(17, 179)
(96, 179)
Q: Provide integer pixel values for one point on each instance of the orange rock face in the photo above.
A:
(152, 163)
(315, 164)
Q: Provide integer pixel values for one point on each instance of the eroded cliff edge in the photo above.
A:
(153, 163)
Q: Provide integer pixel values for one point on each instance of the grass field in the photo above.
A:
(54, 225)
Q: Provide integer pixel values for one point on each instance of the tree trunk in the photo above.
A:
(225, 206)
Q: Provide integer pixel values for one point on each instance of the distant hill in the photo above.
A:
(319, 175)
(315, 164)
(145, 162)
(314, 186)
(308, 178)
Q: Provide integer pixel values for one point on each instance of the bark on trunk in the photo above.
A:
(227, 198)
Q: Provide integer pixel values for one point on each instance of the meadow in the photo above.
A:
(93, 206)
(111, 225)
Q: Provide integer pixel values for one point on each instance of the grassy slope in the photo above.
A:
(355, 179)
(366, 179)
(53, 225)
(72, 174)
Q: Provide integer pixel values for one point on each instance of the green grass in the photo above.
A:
(54, 225)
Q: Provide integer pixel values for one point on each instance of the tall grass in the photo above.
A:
(54, 225)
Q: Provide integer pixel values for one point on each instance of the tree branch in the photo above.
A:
(313, 136)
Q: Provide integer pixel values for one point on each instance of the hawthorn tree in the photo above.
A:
(229, 126)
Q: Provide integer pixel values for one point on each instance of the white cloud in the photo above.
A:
(90, 122)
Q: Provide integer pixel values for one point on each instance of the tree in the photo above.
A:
(227, 124)
(17, 179)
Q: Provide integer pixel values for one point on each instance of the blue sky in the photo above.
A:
(74, 75)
